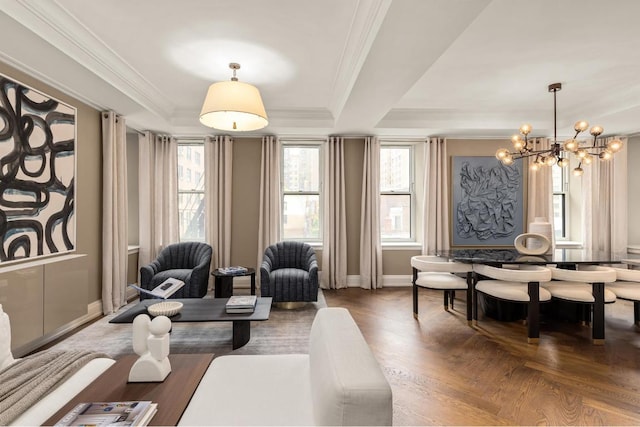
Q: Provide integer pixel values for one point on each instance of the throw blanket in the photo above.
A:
(28, 380)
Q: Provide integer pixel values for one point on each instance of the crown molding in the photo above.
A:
(21, 66)
(50, 21)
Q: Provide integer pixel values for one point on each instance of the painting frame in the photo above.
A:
(38, 170)
(487, 208)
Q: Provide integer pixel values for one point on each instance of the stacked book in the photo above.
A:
(131, 413)
(241, 304)
(233, 270)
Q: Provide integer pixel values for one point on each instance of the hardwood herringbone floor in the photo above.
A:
(444, 372)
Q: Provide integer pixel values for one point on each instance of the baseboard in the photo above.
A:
(94, 310)
(396, 281)
(388, 281)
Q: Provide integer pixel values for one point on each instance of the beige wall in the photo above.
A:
(88, 179)
(246, 201)
(132, 189)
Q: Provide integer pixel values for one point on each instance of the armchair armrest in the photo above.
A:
(147, 272)
(313, 272)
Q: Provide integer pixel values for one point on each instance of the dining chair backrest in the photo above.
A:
(585, 273)
(432, 263)
(526, 273)
(626, 275)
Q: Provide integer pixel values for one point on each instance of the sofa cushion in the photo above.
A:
(6, 357)
(253, 390)
(347, 384)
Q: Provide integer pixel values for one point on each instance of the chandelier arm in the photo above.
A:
(531, 153)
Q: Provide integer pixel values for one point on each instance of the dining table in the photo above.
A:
(561, 258)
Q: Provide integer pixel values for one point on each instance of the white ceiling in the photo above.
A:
(468, 68)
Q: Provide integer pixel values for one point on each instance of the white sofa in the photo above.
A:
(338, 383)
(56, 399)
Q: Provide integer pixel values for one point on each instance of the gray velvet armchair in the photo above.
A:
(289, 272)
(186, 261)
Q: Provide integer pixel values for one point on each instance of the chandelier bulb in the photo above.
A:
(587, 159)
(502, 153)
(562, 162)
(550, 161)
(535, 166)
(596, 130)
(614, 145)
(605, 155)
(571, 145)
(525, 129)
(581, 126)
(581, 153)
(578, 171)
(519, 145)
(508, 160)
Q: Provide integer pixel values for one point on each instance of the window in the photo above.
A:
(560, 201)
(396, 193)
(301, 185)
(190, 192)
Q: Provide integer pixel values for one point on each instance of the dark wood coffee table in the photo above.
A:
(172, 395)
(207, 310)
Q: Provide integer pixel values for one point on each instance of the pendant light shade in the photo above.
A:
(233, 106)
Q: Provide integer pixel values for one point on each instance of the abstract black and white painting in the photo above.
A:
(37, 173)
(487, 202)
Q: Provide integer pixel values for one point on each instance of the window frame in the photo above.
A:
(411, 192)
(189, 143)
(564, 194)
(307, 143)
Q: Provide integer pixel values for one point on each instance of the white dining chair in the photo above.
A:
(627, 287)
(517, 285)
(585, 286)
(433, 272)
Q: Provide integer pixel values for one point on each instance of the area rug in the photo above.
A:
(286, 331)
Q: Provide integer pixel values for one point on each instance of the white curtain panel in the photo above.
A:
(114, 212)
(158, 194)
(334, 247)
(218, 155)
(270, 210)
(370, 247)
(436, 222)
(604, 198)
(540, 187)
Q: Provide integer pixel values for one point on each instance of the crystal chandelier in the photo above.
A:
(583, 150)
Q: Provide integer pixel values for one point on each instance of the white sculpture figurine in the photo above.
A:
(151, 343)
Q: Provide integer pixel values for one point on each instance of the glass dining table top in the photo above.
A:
(560, 257)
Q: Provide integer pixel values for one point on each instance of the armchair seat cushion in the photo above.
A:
(625, 290)
(576, 291)
(290, 274)
(510, 291)
(441, 281)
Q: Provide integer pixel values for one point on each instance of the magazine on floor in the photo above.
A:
(129, 413)
(164, 290)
